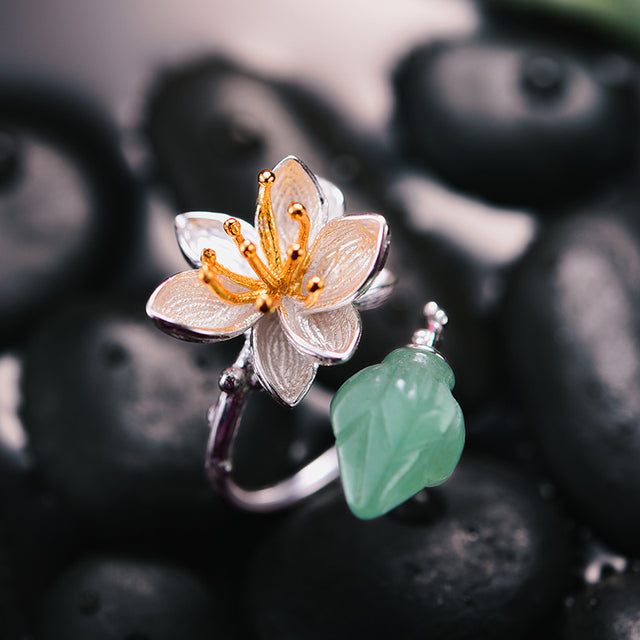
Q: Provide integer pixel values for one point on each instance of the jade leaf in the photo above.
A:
(398, 429)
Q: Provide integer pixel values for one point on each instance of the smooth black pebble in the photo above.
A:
(12, 614)
(116, 415)
(609, 610)
(120, 598)
(213, 126)
(518, 120)
(573, 327)
(68, 203)
(483, 557)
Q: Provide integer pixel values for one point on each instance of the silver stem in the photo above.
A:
(435, 319)
(235, 384)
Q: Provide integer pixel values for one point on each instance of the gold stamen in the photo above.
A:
(298, 212)
(314, 286)
(265, 303)
(208, 276)
(249, 251)
(208, 258)
(295, 253)
(266, 177)
(266, 221)
(232, 227)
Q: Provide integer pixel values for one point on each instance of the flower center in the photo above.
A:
(280, 276)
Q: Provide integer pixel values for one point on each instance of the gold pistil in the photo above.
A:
(275, 280)
(267, 222)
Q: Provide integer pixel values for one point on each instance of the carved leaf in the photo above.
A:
(398, 429)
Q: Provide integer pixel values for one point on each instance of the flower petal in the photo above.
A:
(348, 255)
(185, 308)
(295, 183)
(284, 372)
(198, 230)
(335, 198)
(330, 336)
(378, 292)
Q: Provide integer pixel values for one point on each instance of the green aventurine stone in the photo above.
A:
(398, 429)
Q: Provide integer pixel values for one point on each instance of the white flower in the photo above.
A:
(292, 279)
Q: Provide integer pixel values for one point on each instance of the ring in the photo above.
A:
(293, 283)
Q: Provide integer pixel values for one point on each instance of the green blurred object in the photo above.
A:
(620, 17)
(398, 429)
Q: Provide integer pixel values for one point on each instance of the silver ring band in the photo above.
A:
(236, 383)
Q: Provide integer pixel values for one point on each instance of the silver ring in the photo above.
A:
(297, 312)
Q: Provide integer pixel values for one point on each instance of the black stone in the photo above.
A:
(120, 598)
(483, 556)
(572, 327)
(609, 610)
(10, 153)
(460, 235)
(116, 414)
(518, 119)
(65, 196)
(213, 126)
(275, 441)
(12, 615)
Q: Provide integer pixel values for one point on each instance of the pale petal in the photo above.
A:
(330, 336)
(185, 307)
(335, 198)
(348, 255)
(378, 292)
(295, 183)
(198, 230)
(284, 372)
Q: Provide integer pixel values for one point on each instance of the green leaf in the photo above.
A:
(398, 429)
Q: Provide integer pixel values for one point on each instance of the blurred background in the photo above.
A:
(499, 138)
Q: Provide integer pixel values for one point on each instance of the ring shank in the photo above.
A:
(310, 479)
(225, 418)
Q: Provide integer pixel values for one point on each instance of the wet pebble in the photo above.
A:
(67, 202)
(609, 610)
(482, 556)
(213, 126)
(572, 327)
(518, 120)
(116, 416)
(120, 598)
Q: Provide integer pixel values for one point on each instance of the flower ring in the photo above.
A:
(293, 280)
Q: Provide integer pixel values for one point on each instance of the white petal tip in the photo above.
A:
(185, 308)
(284, 372)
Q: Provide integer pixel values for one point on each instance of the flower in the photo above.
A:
(292, 280)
